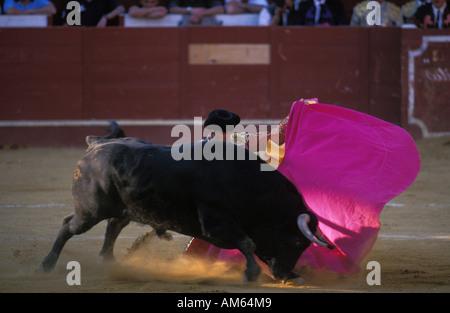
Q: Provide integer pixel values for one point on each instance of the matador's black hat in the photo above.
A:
(222, 118)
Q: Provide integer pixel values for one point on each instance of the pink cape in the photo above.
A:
(347, 165)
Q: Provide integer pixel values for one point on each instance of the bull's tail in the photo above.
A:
(114, 132)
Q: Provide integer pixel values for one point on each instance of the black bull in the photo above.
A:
(231, 204)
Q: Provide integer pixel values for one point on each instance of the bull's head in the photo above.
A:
(283, 256)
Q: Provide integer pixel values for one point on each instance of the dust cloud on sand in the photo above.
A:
(143, 263)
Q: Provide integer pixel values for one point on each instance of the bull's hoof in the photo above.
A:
(47, 265)
(298, 281)
(251, 274)
(107, 255)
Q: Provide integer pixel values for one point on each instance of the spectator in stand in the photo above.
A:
(244, 6)
(97, 12)
(434, 15)
(410, 8)
(148, 8)
(391, 14)
(197, 12)
(277, 13)
(29, 7)
(308, 13)
(319, 13)
(269, 15)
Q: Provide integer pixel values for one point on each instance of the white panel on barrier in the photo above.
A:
(245, 19)
(32, 20)
(169, 20)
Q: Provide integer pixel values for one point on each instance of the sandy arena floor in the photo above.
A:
(413, 247)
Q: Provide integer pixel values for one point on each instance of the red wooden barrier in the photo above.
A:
(149, 74)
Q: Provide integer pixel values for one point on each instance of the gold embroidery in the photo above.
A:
(239, 139)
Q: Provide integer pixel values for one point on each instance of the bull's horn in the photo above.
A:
(319, 236)
(302, 222)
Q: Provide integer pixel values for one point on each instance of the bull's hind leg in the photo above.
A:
(72, 225)
(219, 226)
(113, 229)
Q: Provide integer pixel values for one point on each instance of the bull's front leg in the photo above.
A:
(73, 224)
(218, 226)
(252, 271)
(64, 234)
